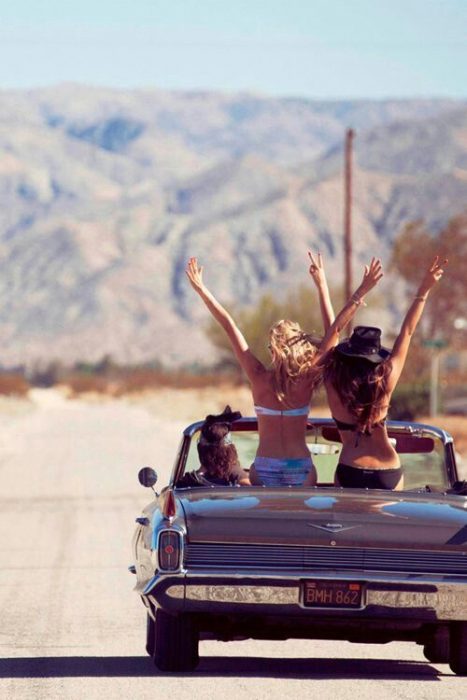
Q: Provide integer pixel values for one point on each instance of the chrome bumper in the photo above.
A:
(425, 598)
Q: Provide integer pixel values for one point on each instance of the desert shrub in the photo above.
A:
(45, 375)
(13, 384)
(82, 383)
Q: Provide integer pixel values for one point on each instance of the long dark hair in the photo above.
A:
(217, 455)
(360, 384)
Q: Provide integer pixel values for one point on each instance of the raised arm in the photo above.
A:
(412, 317)
(371, 276)
(249, 363)
(318, 276)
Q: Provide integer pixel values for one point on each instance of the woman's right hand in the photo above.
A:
(432, 276)
(371, 276)
(195, 274)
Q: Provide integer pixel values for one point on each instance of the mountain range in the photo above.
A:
(105, 194)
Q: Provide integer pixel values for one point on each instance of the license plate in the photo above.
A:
(332, 594)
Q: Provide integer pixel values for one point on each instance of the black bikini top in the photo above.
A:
(353, 426)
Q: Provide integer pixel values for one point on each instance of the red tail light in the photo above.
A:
(168, 552)
(170, 507)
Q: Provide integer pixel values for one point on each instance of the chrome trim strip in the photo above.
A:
(256, 595)
(176, 592)
(399, 426)
(333, 527)
(447, 602)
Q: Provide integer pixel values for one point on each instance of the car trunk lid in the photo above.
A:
(325, 517)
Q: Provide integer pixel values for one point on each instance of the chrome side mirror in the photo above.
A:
(147, 477)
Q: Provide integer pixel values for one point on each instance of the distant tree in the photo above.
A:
(413, 250)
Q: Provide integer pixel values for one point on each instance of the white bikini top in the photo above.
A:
(263, 411)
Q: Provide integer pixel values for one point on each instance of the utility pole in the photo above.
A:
(434, 384)
(437, 345)
(348, 286)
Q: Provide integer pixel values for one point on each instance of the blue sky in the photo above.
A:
(311, 48)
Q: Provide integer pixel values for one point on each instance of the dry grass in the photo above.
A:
(136, 381)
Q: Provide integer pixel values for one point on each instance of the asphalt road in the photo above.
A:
(71, 626)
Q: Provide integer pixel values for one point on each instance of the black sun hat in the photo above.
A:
(365, 342)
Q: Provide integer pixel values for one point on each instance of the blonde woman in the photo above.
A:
(282, 392)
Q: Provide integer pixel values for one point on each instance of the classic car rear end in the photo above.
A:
(322, 562)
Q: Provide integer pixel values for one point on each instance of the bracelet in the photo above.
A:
(357, 301)
(420, 297)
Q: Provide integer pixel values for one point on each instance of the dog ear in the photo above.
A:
(227, 416)
(230, 415)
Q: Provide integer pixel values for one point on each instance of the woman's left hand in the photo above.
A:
(316, 269)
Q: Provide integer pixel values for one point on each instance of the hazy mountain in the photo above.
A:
(104, 194)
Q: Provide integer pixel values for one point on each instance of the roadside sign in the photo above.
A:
(435, 343)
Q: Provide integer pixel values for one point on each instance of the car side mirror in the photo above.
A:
(147, 477)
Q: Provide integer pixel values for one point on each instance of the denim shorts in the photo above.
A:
(273, 471)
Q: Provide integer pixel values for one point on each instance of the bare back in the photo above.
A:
(371, 451)
(281, 436)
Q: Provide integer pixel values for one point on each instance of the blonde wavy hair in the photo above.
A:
(293, 356)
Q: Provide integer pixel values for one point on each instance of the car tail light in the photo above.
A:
(169, 509)
(169, 550)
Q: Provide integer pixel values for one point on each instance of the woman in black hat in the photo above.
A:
(360, 376)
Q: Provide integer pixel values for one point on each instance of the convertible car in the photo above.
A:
(373, 566)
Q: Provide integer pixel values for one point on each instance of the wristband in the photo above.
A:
(357, 301)
(420, 297)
